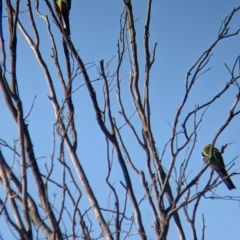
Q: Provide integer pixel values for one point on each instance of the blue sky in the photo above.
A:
(183, 31)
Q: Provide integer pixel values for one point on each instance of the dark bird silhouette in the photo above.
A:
(63, 7)
(217, 164)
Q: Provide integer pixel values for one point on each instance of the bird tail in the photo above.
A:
(227, 180)
(66, 23)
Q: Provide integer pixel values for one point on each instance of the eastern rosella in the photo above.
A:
(63, 7)
(217, 164)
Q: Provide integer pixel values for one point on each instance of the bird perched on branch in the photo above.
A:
(63, 7)
(217, 164)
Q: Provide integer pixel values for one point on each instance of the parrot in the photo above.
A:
(217, 164)
(63, 7)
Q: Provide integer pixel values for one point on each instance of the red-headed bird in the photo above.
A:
(63, 7)
(217, 164)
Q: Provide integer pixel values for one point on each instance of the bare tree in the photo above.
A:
(53, 197)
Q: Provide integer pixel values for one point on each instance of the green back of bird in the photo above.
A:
(217, 159)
